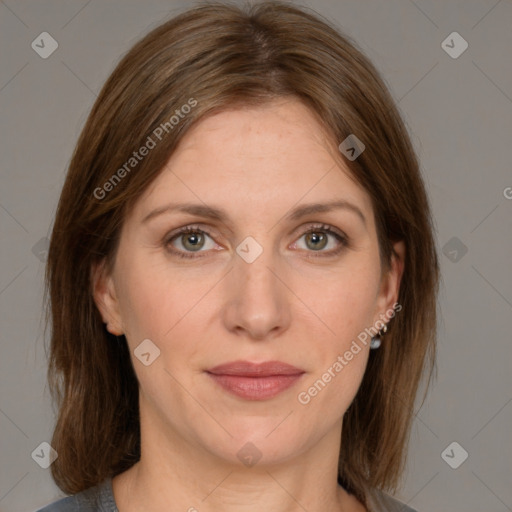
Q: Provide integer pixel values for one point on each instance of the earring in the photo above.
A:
(376, 340)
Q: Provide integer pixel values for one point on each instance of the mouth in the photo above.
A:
(255, 381)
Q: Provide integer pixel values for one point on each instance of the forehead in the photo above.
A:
(278, 130)
(252, 158)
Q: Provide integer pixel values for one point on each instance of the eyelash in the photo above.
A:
(325, 228)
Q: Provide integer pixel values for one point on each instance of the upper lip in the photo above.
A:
(248, 369)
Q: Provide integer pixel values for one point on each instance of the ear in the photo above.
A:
(390, 282)
(105, 297)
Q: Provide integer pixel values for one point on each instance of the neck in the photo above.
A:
(177, 474)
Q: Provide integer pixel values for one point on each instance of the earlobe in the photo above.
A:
(105, 298)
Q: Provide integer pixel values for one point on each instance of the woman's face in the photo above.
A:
(249, 284)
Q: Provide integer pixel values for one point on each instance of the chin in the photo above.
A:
(258, 441)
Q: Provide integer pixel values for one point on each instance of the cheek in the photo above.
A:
(343, 302)
(159, 304)
(144, 298)
(340, 355)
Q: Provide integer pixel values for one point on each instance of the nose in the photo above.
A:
(257, 303)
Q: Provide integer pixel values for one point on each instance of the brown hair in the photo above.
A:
(217, 57)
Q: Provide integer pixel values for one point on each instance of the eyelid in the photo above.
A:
(321, 226)
(191, 228)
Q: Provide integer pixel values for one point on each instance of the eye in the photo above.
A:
(190, 241)
(316, 239)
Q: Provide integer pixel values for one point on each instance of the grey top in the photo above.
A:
(101, 499)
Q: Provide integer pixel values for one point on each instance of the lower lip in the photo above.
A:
(255, 388)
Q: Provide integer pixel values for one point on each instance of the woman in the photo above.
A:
(242, 225)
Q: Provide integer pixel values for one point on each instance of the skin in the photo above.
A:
(291, 304)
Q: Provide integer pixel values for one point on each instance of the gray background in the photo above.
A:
(459, 112)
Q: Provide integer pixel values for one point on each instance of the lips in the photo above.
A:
(247, 369)
(255, 381)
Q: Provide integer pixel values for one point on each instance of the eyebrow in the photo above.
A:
(217, 214)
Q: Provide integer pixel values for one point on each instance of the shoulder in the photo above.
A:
(95, 499)
(379, 501)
